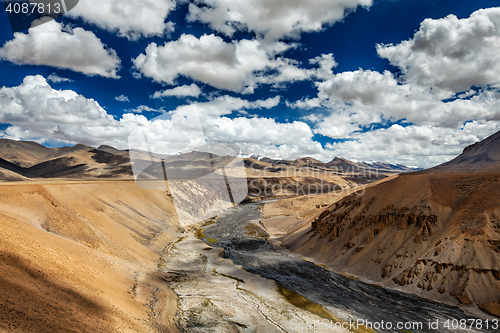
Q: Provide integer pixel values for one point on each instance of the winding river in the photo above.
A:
(245, 244)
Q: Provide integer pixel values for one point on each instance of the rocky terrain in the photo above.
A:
(435, 233)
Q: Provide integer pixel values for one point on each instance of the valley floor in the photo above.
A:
(216, 295)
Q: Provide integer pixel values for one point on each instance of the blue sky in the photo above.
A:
(409, 82)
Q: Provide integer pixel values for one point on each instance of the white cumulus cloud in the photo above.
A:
(129, 18)
(447, 97)
(238, 66)
(54, 78)
(145, 108)
(55, 45)
(356, 100)
(361, 97)
(266, 136)
(272, 20)
(450, 54)
(191, 90)
(36, 111)
(224, 105)
(122, 98)
(414, 145)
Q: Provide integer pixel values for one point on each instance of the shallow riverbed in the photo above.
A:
(246, 245)
(214, 295)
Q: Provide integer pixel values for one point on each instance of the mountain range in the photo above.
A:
(21, 160)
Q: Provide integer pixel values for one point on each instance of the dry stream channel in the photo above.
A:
(234, 280)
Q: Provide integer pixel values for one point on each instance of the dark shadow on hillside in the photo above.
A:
(31, 302)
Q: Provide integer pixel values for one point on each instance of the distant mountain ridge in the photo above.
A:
(339, 163)
(20, 160)
(381, 166)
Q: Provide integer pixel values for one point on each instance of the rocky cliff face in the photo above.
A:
(435, 235)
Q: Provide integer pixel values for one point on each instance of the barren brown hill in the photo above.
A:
(433, 234)
(23, 153)
(343, 164)
(82, 257)
(31, 160)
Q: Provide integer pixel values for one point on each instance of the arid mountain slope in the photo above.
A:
(24, 153)
(433, 234)
(481, 156)
(82, 258)
(31, 160)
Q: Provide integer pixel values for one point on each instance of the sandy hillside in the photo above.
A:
(433, 234)
(82, 257)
